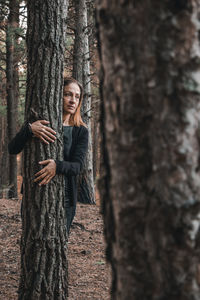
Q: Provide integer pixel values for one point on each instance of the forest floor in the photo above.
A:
(89, 274)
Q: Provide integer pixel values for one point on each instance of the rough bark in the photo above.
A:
(78, 52)
(96, 145)
(81, 71)
(43, 244)
(150, 124)
(12, 82)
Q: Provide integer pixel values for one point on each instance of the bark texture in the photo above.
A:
(150, 124)
(12, 82)
(43, 245)
(81, 71)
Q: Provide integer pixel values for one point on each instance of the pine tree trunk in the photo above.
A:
(4, 161)
(96, 143)
(43, 245)
(81, 71)
(78, 52)
(150, 123)
(12, 101)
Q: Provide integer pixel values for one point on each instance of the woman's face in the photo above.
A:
(71, 98)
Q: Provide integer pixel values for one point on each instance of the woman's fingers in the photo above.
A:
(39, 178)
(46, 180)
(45, 137)
(44, 121)
(42, 139)
(44, 162)
(45, 133)
(51, 131)
(47, 173)
(40, 172)
(48, 136)
(44, 170)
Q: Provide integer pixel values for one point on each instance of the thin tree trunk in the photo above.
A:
(43, 244)
(81, 71)
(78, 52)
(95, 138)
(12, 101)
(150, 124)
(4, 178)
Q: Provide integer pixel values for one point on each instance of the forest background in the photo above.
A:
(81, 61)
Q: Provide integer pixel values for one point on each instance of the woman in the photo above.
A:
(75, 145)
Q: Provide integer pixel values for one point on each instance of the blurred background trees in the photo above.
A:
(12, 76)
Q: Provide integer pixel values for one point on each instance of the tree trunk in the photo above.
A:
(4, 156)
(150, 124)
(96, 144)
(81, 72)
(4, 178)
(12, 101)
(43, 244)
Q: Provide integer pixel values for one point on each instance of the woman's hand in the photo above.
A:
(47, 173)
(45, 133)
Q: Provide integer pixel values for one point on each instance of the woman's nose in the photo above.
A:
(73, 98)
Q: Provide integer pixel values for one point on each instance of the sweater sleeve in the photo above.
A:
(74, 166)
(17, 144)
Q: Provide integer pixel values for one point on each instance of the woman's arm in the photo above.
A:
(68, 168)
(17, 144)
(37, 129)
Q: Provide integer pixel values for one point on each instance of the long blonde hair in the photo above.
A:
(75, 119)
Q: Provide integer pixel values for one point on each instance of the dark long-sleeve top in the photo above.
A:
(71, 167)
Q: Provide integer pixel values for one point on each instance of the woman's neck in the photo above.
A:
(66, 118)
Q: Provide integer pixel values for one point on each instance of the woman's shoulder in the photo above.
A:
(81, 129)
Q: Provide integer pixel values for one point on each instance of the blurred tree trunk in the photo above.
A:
(81, 72)
(12, 89)
(150, 124)
(43, 244)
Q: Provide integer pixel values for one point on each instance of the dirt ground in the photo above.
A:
(89, 274)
